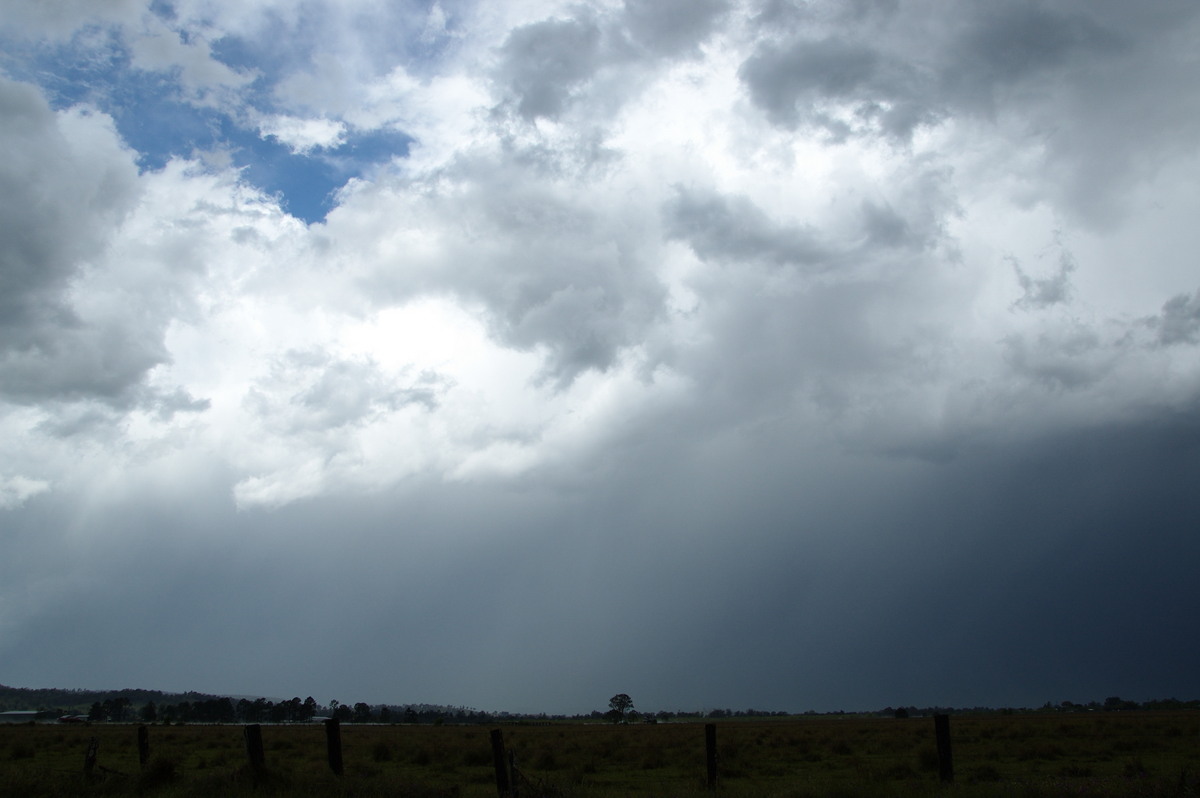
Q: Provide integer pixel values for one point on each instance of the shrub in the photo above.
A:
(381, 752)
(21, 751)
(159, 771)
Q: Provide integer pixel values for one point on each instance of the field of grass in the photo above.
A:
(1101, 754)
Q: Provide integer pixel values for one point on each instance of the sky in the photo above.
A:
(513, 354)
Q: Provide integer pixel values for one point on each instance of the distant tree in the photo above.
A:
(362, 712)
(309, 710)
(385, 715)
(1116, 702)
(149, 713)
(96, 712)
(620, 704)
(901, 713)
(343, 713)
(116, 709)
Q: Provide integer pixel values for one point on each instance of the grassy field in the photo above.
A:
(1103, 754)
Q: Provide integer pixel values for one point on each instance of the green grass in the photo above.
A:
(1090, 754)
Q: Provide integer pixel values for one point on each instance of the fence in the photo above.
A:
(509, 779)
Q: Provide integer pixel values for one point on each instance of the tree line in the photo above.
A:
(153, 706)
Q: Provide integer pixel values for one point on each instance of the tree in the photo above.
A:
(619, 705)
(362, 712)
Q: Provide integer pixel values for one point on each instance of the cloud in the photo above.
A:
(734, 230)
(543, 61)
(1179, 322)
(1043, 292)
(780, 318)
(16, 490)
(672, 27)
(67, 184)
(304, 135)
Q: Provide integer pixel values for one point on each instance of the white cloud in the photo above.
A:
(304, 135)
(16, 490)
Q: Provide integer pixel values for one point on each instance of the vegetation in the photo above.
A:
(1118, 753)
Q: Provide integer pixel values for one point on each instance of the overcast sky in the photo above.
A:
(513, 354)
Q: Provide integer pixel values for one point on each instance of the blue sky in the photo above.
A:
(160, 119)
(515, 354)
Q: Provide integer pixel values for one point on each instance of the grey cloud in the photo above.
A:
(1179, 322)
(62, 190)
(550, 269)
(104, 359)
(547, 66)
(55, 205)
(733, 229)
(1040, 293)
(967, 64)
(82, 419)
(171, 403)
(672, 27)
(313, 391)
(792, 81)
(884, 226)
(545, 61)
(1102, 88)
(1011, 42)
(1070, 360)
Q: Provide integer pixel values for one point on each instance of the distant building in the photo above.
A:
(26, 716)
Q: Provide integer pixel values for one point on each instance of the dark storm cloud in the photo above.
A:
(751, 575)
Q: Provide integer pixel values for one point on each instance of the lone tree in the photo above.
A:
(620, 704)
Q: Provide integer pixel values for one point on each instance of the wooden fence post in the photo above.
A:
(254, 747)
(941, 726)
(333, 745)
(710, 747)
(501, 763)
(89, 759)
(143, 737)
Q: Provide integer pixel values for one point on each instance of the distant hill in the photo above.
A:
(17, 698)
